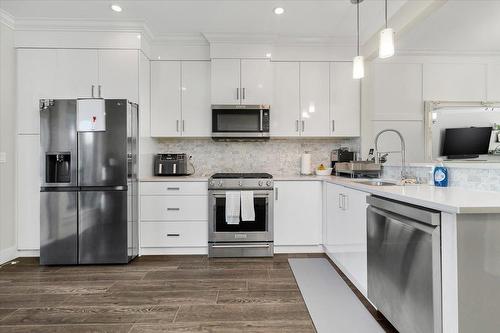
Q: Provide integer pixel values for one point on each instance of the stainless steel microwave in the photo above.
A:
(250, 122)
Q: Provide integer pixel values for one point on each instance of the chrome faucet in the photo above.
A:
(378, 153)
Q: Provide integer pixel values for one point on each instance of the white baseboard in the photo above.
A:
(28, 253)
(8, 254)
(152, 251)
(298, 249)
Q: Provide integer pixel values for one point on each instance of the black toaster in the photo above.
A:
(171, 165)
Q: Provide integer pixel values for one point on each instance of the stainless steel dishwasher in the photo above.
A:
(404, 264)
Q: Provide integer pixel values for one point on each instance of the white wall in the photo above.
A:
(7, 144)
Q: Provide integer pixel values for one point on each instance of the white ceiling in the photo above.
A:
(334, 19)
(459, 25)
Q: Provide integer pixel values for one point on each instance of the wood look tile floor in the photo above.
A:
(157, 294)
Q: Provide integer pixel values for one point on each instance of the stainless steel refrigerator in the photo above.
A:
(89, 187)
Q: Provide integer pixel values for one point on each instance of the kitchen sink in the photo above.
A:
(377, 183)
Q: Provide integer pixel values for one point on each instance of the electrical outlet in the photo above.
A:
(3, 157)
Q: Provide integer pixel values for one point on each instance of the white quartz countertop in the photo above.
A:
(449, 199)
(192, 178)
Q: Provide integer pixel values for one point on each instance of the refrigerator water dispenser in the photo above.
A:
(58, 168)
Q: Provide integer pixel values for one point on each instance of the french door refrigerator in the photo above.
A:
(89, 187)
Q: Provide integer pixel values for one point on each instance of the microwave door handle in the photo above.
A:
(261, 128)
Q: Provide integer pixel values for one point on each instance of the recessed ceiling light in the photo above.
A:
(138, 36)
(116, 8)
(268, 55)
(279, 10)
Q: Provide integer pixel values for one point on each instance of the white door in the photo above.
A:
(285, 109)
(36, 79)
(28, 192)
(297, 213)
(165, 98)
(256, 81)
(76, 72)
(334, 220)
(196, 111)
(345, 100)
(119, 74)
(225, 85)
(315, 98)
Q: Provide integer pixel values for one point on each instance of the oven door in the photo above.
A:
(260, 230)
(240, 121)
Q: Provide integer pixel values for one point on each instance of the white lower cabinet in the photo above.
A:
(345, 241)
(297, 213)
(174, 216)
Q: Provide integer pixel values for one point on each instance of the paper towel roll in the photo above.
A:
(305, 164)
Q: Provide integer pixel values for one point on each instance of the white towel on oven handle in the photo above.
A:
(233, 207)
(247, 206)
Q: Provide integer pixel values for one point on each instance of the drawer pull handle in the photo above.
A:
(173, 235)
(173, 188)
(173, 209)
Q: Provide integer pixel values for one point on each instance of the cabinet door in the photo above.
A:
(144, 96)
(285, 110)
(225, 85)
(165, 98)
(36, 79)
(344, 100)
(334, 221)
(315, 98)
(119, 74)
(196, 111)
(28, 192)
(493, 82)
(76, 72)
(256, 81)
(297, 213)
(454, 82)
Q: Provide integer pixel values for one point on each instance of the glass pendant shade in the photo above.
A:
(386, 46)
(358, 67)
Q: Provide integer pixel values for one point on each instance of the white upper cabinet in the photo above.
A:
(256, 81)
(454, 82)
(315, 98)
(297, 217)
(36, 79)
(242, 81)
(119, 74)
(345, 103)
(196, 111)
(165, 98)
(76, 73)
(226, 81)
(285, 110)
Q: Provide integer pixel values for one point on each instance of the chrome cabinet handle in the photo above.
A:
(173, 188)
(177, 125)
(173, 235)
(244, 90)
(92, 91)
(183, 125)
(99, 91)
(303, 125)
(296, 125)
(238, 93)
(340, 201)
(345, 202)
(333, 125)
(276, 193)
(173, 209)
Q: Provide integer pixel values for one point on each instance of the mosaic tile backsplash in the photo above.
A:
(471, 178)
(276, 156)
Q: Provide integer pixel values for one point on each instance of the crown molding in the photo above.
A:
(189, 39)
(7, 19)
(448, 53)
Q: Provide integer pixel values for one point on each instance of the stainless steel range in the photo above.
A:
(249, 231)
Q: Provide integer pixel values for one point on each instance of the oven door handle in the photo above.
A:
(247, 246)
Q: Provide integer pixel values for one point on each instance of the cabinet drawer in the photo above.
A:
(174, 208)
(174, 188)
(174, 234)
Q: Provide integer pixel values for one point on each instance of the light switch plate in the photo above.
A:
(3, 157)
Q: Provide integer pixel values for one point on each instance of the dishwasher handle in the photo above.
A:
(421, 214)
(402, 220)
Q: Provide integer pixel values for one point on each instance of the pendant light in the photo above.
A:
(358, 63)
(386, 42)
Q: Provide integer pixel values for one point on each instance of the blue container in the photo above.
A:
(440, 176)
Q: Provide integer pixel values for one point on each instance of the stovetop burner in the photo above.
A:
(238, 175)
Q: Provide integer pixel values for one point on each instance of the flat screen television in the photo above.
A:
(470, 142)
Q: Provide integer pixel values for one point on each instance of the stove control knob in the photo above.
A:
(268, 183)
(212, 183)
(240, 183)
(220, 183)
(261, 183)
